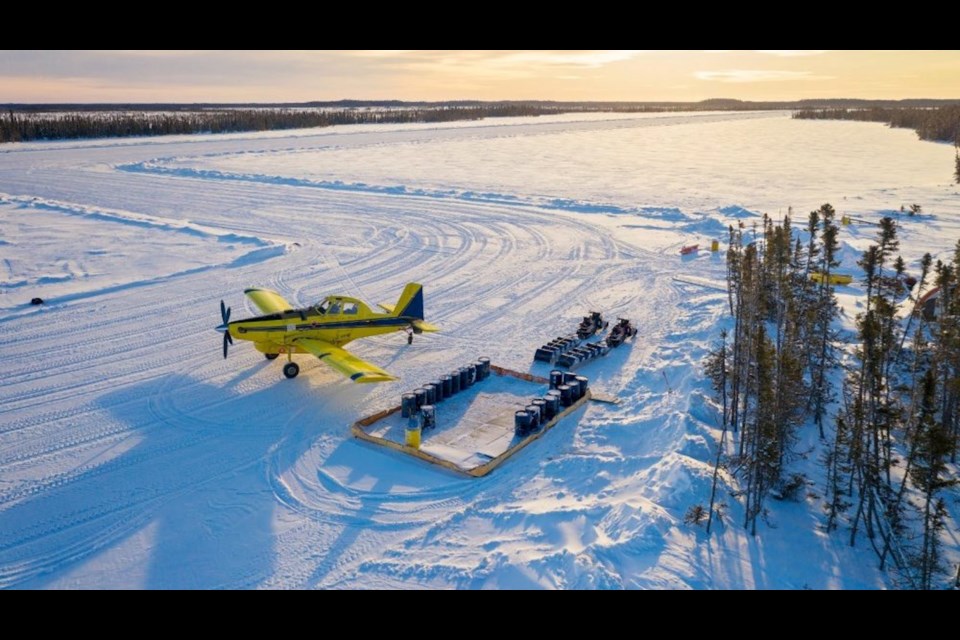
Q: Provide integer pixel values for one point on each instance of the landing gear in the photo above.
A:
(271, 356)
(409, 336)
(291, 370)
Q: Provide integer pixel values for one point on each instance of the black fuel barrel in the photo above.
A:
(567, 396)
(484, 365)
(556, 378)
(446, 386)
(534, 416)
(428, 417)
(421, 394)
(454, 382)
(408, 405)
(541, 406)
(521, 423)
(431, 393)
(583, 382)
(551, 405)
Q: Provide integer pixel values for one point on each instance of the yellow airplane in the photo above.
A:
(324, 329)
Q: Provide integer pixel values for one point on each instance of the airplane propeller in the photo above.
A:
(224, 328)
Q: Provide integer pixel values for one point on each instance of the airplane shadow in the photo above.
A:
(178, 500)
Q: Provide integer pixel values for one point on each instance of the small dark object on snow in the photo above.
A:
(36, 301)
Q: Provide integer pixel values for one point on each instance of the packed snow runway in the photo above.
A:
(133, 455)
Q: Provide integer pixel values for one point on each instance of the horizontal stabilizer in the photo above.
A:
(420, 325)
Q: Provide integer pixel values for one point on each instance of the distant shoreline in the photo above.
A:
(33, 122)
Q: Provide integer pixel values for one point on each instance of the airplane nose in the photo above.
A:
(223, 328)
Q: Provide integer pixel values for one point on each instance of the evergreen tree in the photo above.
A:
(717, 371)
(956, 160)
(929, 474)
(824, 310)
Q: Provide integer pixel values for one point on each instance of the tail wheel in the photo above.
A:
(271, 356)
(291, 370)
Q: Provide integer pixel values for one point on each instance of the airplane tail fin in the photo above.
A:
(410, 303)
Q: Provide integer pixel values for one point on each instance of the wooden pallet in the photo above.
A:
(481, 460)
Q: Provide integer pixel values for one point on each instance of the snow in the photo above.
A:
(132, 455)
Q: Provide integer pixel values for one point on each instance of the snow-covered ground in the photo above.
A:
(133, 455)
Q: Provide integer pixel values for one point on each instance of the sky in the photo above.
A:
(631, 75)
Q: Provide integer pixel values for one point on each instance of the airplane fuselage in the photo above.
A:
(278, 332)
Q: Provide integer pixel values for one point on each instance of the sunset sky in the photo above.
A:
(293, 76)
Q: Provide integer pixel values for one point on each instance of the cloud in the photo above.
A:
(792, 53)
(583, 58)
(755, 75)
(492, 58)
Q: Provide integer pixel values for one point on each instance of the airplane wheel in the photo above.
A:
(291, 369)
(271, 356)
(410, 339)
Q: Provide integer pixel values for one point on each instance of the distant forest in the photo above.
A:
(25, 125)
(940, 124)
(25, 122)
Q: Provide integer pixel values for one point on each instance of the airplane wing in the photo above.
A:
(345, 362)
(268, 301)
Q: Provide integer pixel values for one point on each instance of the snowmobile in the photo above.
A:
(621, 331)
(592, 324)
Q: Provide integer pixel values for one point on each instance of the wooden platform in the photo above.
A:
(474, 433)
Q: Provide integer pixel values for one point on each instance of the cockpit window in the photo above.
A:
(334, 308)
(350, 308)
(322, 307)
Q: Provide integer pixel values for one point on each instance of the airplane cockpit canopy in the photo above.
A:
(340, 306)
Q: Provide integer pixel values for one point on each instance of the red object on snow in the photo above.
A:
(693, 248)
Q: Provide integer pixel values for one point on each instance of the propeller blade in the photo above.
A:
(229, 338)
(223, 312)
(226, 338)
(227, 319)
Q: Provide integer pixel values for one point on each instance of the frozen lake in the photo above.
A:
(133, 455)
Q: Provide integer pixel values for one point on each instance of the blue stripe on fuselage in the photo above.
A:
(315, 326)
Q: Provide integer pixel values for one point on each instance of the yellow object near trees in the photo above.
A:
(835, 278)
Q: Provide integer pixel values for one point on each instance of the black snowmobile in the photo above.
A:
(621, 331)
(591, 325)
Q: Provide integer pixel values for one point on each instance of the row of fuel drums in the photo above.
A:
(565, 390)
(445, 387)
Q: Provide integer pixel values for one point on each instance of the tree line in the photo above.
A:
(23, 122)
(941, 124)
(22, 126)
(885, 408)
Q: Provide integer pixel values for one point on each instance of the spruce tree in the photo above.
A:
(956, 160)
(824, 311)
(929, 475)
(716, 370)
